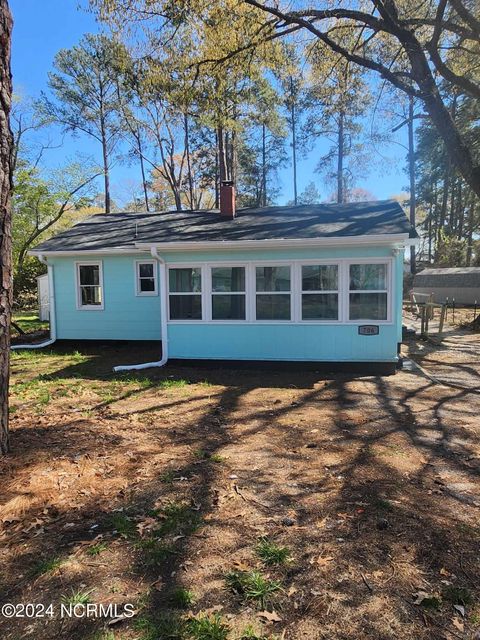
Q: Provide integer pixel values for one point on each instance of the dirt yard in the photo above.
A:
(239, 504)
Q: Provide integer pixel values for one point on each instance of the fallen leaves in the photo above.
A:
(269, 616)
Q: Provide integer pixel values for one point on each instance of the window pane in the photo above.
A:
(228, 279)
(225, 307)
(185, 280)
(273, 278)
(320, 306)
(91, 295)
(145, 270)
(368, 306)
(320, 277)
(273, 307)
(368, 276)
(89, 274)
(147, 284)
(185, 307)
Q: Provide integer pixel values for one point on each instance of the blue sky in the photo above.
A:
(42, 27)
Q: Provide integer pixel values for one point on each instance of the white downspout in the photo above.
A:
(163, 319)
(52, 312)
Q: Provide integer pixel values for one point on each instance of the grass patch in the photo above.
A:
(201, 454)
(382, 505)
(271, 553)
(249, 633)
(28, 322)
(97, 549)
(432, 603)
(167, 477)
(165, 628)
(173, 384)
(155, 551)
(179, 519)
(104, 635)
(122, 524)
(181, 598)
(457, 595)
(208, 628)
(49, 565)
(77, 597)
(251, 585)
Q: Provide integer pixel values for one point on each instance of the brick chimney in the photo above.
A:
(227, 199)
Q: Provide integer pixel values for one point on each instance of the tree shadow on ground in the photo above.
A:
(342, 471)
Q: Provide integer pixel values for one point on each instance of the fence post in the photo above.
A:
(453, 310)
(442, 319)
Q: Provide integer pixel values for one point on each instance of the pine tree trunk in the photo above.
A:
(340, 182)
(294, 142)
(264, 167)
(189, 164)
(142, 169)
(411, 167)
(222, 155)
(6, 146)
(106, 174)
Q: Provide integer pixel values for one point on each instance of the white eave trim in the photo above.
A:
(400, 239)
(133, 251)
(395, 240)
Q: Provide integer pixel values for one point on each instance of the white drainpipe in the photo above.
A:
(52, 313)
(164, 326)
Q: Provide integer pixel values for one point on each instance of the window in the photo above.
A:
(368, 293)
(228, 293)
(89, 285)
(272, 293)
(320, 292)
(185, 293)
(146, 278)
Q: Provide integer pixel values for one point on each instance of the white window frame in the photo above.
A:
(78, 292)
(201, 293)
(209, 292)
(320, 263)
(389, 290)
(138, 291)
(290, 292)
(295, 290)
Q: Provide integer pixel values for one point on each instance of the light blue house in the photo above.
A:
(318, 283)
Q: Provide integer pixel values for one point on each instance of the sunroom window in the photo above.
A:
(228, 293)
(368, 295)
(185, 293)
(273, 293)
(320, 292)
(146, 279)
(89, 285)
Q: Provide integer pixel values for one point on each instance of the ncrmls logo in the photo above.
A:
(94, 610)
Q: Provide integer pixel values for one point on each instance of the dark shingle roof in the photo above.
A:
(123, 230)
(448, 277)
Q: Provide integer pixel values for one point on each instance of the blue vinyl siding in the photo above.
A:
(125, 316)
(129, 317)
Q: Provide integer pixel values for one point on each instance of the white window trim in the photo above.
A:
(290, 292)
(209, 293)
(337, 292)
(78, 294)
(187, 293)
(388, 291)
(138, 291)
(295, 290)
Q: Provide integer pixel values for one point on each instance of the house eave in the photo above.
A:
(394, 240)
(390, 240)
